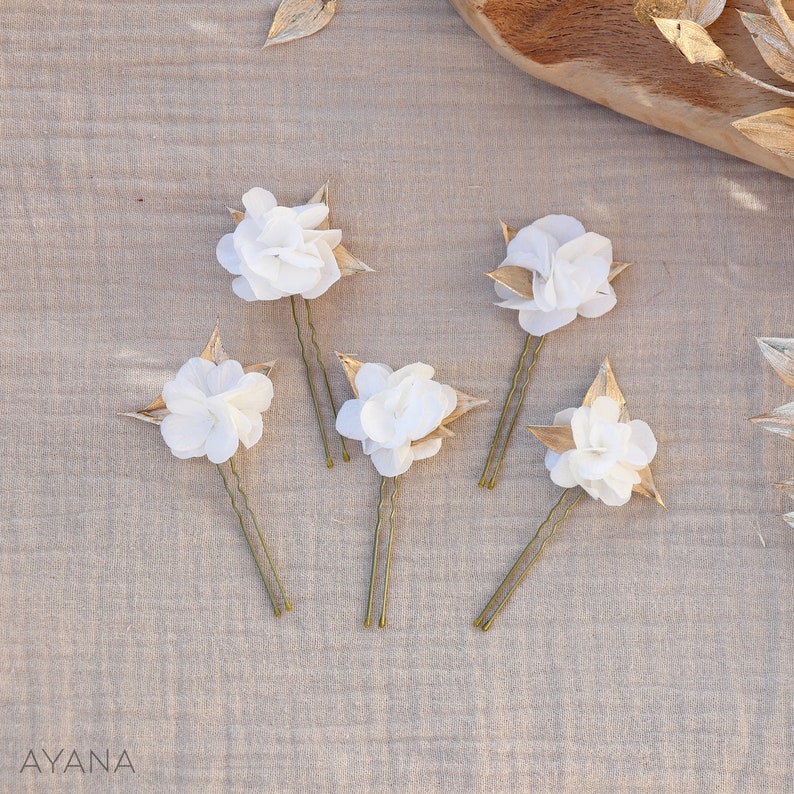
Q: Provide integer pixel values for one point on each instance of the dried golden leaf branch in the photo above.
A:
(774, 130)
(296, 19)
(782, 18)
(771, 43)
(780, 354)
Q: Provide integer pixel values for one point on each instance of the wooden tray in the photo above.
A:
(598, 49)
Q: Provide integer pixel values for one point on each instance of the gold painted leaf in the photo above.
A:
(780, 354)
(617, 268)
(262, 369)
(704, 12)
(647, 10)
(771, 43)
(517, 279)
(348, 264)
(508, 232)
(296, 19)
(558, 438)
(773, 129)
(440, 432)
(213, 350)
(321, 197)
(789, 519)
(647, 487)
(693, 42)
(787, 487)
(605, 385)
(465, 403)
(237, 215)
(352, 366)
(780, 421)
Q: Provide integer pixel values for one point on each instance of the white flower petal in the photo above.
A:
(603, 301)
(224, 376)
(371, 379)
(538, 323)
(310, 216)
(183, 433)
(419, 370)
(253, 393)
(604, 409)
(564, 417)
(222, 440)
(259, 201)
(426, 449)
(242, 289)
(588, 245)
(348, 420)
(643, 437)
(227, 255)
(562, 228)
(393, 462)
(561, 473)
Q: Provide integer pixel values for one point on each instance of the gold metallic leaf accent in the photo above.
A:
(558, 438)
(213, 350)
(771, 43)
(321, 197)
(517, 279)
(782, 18)
(647, 10)
(296, 19)
(440, 432)
(704, 12)
(465, 403)
(237, 215)
(605, 385)
(773, 129)
(780, 354)
(348, 264)
(780, 421)
(787, 487)
(508, 232)
(693, 42)
(616, 268)
(789, 519)
(352, 366)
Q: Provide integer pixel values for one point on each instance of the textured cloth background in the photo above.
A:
(648, 651)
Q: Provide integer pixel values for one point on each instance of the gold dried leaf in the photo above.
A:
(348, 264)
(517, 279)
(508, 232)
(780, 354)
(440, 432)
(787, 487)
(352, 366)
(465, 403)
(262, 369)
(558, 438)
(617, 268)
(647, 487)
(296, 19)
(773, 129)
(693, 42)
(646, 10)
(704, 12)
(771, 43)
(789, 519)
(321, 197)
(605, 385)
(213, 350)
(780, 421)
(237, 215)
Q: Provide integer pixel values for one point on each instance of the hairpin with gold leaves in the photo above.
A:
(287, 252)
(399, 417)
(554, 272)
(594, 449)
(212, 406)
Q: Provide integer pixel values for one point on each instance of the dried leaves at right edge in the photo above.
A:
(771, 43)
(296, 19)
(774, 130)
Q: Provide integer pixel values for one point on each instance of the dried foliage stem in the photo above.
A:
(734, 71)
(345, 453)
(251, 513)
(521, 576)
(392, 515)
(328, 460)
(519, 404)
(375, 545)
(276, 610)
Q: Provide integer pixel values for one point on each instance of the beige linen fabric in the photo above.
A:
(648, 651)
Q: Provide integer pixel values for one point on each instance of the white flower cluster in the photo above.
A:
(609, 453)
(393, 411)
(570, 269)
(279, 251)
(213, 407)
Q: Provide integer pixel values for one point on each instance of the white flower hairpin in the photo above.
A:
(287, 252)
(399, 417)
(213, 405)
(597, 448)
(554, 272)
